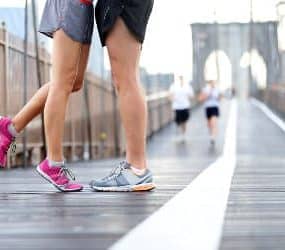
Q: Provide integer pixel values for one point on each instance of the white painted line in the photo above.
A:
(193, 219)
(278, 121)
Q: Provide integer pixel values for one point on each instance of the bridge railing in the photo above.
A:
(274, 97)
(92, 129)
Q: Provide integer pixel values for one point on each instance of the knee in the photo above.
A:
(77, 85)
(124, 80)
(65, 82)
(115, 80)
(47, 85)
(124, 70)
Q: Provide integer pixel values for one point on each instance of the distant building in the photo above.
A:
(155, 82)
(96, 58)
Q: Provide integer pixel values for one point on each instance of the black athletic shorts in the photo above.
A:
(212, 111)
(135, 14)
(182, 115)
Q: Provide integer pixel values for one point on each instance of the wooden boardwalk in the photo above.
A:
(255, 217)
(34, 215)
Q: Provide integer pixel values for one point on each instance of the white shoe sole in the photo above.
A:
(129, 188)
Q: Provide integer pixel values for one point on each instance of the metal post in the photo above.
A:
(6, 68)
(217, 45)
(250, 46)
(25, 80)
(280, 7)
(115, 117)
(149, 106)
(103, 135)
(6, 75)
(89, 127)
(38, 69)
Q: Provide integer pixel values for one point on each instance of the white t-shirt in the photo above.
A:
(213, 94)
(181, 96)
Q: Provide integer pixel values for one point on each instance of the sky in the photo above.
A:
(168, 46)
(12, 3)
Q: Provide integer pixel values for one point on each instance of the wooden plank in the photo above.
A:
(255, 216)
(35, 216)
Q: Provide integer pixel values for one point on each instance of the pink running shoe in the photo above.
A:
(6, 140)
(58, 176)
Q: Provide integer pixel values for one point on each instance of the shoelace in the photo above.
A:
(12, 146)
(116, 171)
(64, 171)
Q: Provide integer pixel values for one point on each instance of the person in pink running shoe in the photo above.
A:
(6, 139)
(70, 24)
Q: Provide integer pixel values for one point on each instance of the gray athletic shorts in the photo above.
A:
(74, 17)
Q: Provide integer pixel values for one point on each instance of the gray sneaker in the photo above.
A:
(122, 179)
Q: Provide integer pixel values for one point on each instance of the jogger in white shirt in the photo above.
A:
(180, 94)
(211, 96)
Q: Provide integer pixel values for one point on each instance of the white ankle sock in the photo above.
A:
(55, 163)
(12, 130)
(138, 171)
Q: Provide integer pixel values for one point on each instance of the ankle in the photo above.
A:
(138, 171)
(53, 163)
(138, 167)
(12, 130)
(139, 163)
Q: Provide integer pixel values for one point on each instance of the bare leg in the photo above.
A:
(31, 109)
(124, 52)
(183, 127)
(212, 125)
(36, 105)
(69, 61)
(209, 126)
